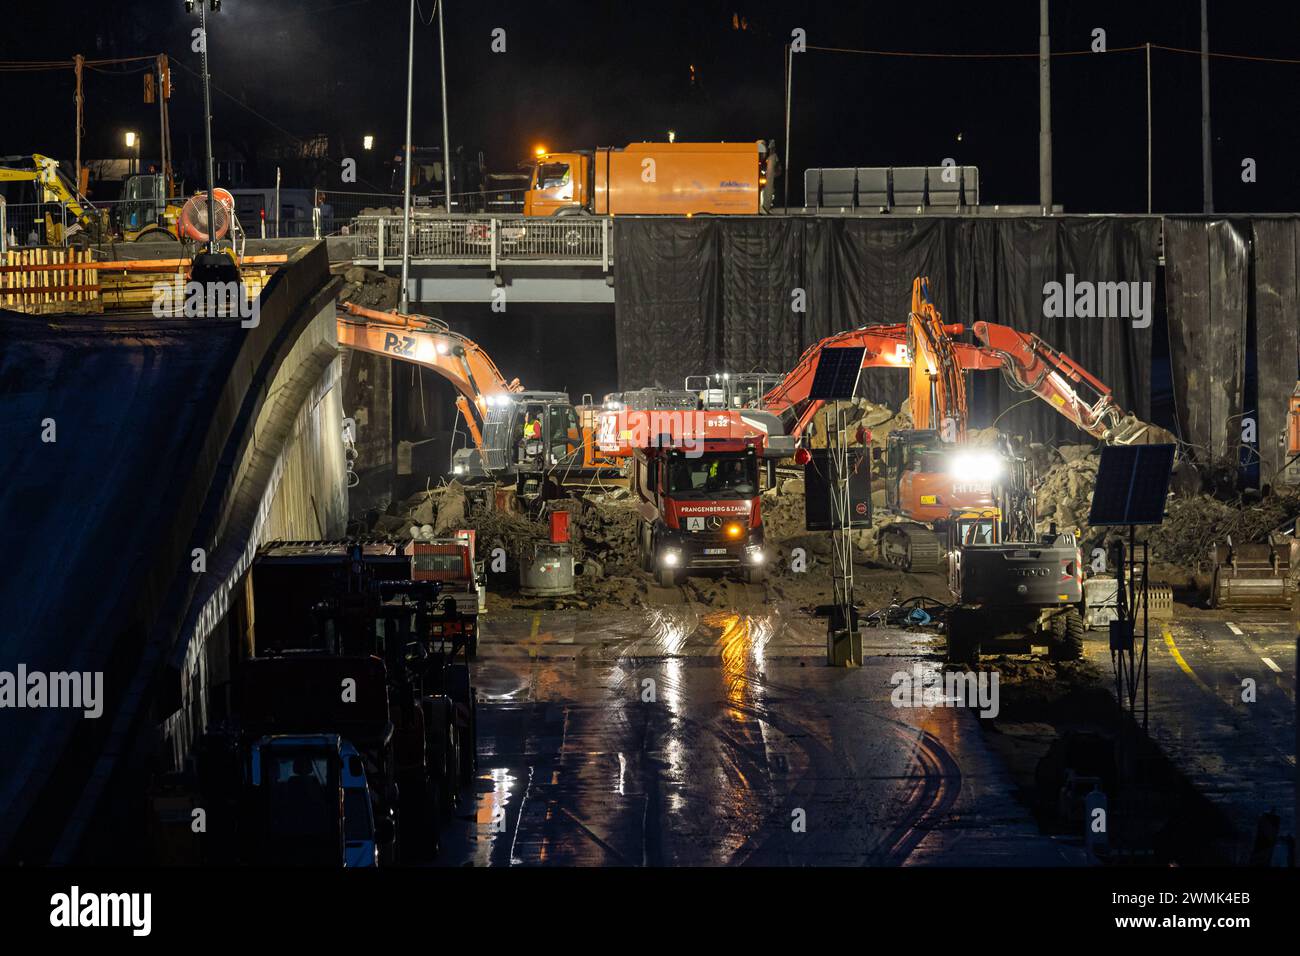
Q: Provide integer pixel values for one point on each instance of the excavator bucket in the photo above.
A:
(1251, 575)
(1101, 602)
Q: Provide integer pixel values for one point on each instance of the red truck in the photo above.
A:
(696, 476)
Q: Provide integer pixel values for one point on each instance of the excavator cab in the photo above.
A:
(145, 211)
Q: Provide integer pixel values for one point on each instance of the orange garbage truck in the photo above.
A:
(670, 179)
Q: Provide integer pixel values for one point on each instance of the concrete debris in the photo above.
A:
(1193, 525)
(1065, 492)
(368, 287)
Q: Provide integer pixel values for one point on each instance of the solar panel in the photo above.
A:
(837, 374)
(1132, 485)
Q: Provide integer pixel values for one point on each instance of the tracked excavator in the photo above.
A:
(518, 434)
(930, 473)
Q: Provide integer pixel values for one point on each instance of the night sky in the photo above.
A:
(587, 74)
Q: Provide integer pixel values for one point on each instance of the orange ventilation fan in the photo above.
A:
(194, 215)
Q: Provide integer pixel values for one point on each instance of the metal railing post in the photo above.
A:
(315, 221)
(63, 216)
(604, 244)
(493, 237)
(381, 243)
(4, 226)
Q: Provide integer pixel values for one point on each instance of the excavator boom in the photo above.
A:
(428, 342)
(924, 346)
(1031, 365)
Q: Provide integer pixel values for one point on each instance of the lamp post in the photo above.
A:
(207, 110)
(404, 298)
(133, 142)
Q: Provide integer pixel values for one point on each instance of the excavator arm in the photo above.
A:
(55, 188)
(923, 346)
(1031, 365)
(431, 344)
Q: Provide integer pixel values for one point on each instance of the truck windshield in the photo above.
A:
(715, 475)
(552, 175)
(303, 794)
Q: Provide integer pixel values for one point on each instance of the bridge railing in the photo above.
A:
(485, 240)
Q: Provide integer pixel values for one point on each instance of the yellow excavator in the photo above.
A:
(145, 213)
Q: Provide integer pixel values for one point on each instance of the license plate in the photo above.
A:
(715, 550)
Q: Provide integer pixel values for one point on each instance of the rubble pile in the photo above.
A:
(1065, 489)
(606, 534)
(1193, 525)
(368, 287)
(880, 420)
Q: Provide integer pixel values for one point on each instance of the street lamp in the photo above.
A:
(133, 142)
(212, 253)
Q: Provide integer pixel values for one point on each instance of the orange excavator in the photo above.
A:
(518, 433)
(930, 473)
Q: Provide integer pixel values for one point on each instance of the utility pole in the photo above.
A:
(446, 134)
(78, 62)
(207, 130)
(1207, 170)
(789, 82)
(1148, 128)
(1044, 111)
(404, 299)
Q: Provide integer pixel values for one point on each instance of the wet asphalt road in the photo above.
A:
(1239, 754)
(686, 736)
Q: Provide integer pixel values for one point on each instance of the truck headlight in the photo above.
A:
(756, 555)
(671, 558)
(975, 466)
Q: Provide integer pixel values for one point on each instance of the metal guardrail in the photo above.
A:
(32, 225)
(486, 240)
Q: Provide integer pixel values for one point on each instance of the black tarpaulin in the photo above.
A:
(703, 295)
(1276, 250)
(1206, 269)
(666, 294)
(865, 269)
(1104, 328)
(763, 297)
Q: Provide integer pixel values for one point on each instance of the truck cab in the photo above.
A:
(306, 801)
(560, 184)
(699, 511)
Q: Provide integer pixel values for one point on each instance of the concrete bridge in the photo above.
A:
(146, 458)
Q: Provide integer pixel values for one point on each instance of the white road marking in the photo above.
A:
(1269, 662)
(1235, 629)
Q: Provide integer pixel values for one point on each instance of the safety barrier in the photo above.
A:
(45, 280)
(485, 240)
